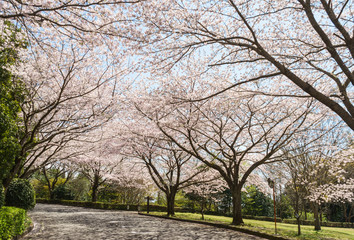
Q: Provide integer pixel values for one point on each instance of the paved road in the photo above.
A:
(56, 222)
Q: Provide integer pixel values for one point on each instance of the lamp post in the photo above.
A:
(271, 184)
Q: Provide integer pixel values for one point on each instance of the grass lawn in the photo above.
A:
(284, 229)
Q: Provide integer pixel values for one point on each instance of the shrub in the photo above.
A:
(63, 193)
(20, 194)
(12, 222)
(265, 218)
(2, 196)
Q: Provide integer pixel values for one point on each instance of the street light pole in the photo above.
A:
(272, 185)
(275, 212)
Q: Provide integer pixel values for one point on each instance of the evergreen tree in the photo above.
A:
(256, 203)
(10, 97)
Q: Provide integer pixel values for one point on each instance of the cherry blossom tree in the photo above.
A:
(64, 100)
(293, 48)
(99, 161)
(233, 136)
(98, 157)
(131, 182)
(317, 171)
(209, 184)
(333, 183)
(97, 170)
(236, 133)
(69, 74)
(169, 168)
(54, 172)
(79, 19)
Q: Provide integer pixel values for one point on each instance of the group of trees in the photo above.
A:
(60, 94)
(201, 96)
(72, 182)
(240, 137)
(10, 97)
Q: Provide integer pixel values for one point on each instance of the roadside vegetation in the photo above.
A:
(13, 222)
(283, 229)
(230, 109)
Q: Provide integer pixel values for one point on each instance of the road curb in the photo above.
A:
(27, 231)
(219, 225)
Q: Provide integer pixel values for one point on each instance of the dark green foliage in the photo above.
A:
(128, 195)
(80, 187)
(63, 193)
(337, 212)
(284, 208)
(11, 94)
(2, 196)
(20, 193)
(225, 204)
(262, 218)
(255, 203)
(12, 222)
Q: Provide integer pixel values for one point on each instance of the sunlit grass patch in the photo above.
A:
(284, 229)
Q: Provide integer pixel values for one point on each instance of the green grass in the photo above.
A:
(284, 229)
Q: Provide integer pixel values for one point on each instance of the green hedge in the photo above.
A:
(263, 218)
(12, 222)
(111, 206)
(2, 196)
(324, 224)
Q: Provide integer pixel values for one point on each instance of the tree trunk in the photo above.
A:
(202, 210)
(170, 197)
(51, 195)
(95, 185)
(350, 215)
(159, 198)
(316, 217)
(236, 208)
(13, 173)
(49, 185)
(298, 226)
(94, 194)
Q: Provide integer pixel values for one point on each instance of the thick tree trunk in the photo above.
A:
(159, 198)
(236, 208)
(95, 185)
(49, 185)
(316, 217)
(171, 203)
(94, 194)
(51, 195)
(13, 173)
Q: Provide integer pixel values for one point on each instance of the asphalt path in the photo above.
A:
(57, 222)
